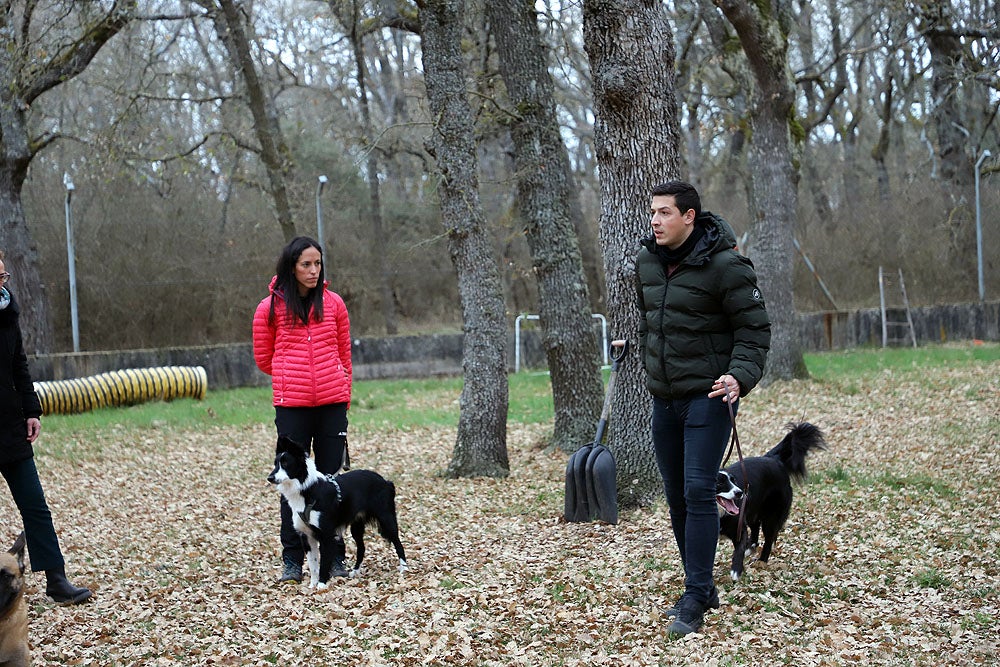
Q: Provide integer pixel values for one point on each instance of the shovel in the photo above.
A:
(591, 473)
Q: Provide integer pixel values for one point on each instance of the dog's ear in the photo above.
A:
(286, 444)
(17, 550)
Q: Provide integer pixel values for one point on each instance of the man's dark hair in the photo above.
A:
(684, 194)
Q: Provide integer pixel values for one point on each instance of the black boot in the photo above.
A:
(339, 555)
(291, 571)
(339, 569)
(59, 589)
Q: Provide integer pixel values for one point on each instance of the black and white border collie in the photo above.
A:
(768, 495)
(323, 506)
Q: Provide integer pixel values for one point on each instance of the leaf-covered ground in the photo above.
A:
(890, 556)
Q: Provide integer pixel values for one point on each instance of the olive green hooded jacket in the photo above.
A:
(705, 319)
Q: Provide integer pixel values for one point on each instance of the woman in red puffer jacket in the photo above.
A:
(302, 339)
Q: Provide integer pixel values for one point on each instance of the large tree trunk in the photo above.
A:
(481, 446)
(774, 193)
(631, 51)
(20, 253)
(28, 69)
(949, 53)
(546, 204)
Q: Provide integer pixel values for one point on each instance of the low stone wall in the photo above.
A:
(422, 356)
(225, 365)
(233, 365)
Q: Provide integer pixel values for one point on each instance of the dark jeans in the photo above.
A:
(26, 490)
(323, 430)
(689, 439)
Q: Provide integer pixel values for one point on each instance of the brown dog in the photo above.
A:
(13, 615)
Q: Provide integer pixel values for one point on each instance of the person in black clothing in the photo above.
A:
(704, 335)
(20, 425)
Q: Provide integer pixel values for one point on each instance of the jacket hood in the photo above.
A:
(719, 235)
(11, 313)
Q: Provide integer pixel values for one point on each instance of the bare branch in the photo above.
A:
(74, 60)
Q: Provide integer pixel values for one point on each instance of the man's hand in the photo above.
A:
(727, 387)
(34, 428)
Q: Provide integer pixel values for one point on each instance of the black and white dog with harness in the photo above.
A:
(764, 493)
(323, 506)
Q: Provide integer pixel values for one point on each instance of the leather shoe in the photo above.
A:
(60, 590)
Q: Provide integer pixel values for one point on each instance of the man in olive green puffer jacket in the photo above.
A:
(703, 338)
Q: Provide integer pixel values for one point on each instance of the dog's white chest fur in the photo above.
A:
(303, 521)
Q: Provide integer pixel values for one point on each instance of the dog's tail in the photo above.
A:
(793, 449)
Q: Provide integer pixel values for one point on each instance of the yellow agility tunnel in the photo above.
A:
(119, 388)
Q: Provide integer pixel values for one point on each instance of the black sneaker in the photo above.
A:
(713, 602)
(690, 616)
(291, 572)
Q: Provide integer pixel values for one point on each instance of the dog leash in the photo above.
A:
(734, 441)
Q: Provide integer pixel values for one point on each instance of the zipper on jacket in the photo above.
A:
(312, 365)
(663, 321)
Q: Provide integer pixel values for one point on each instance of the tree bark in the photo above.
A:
(631, 51)
(230, 25)
(773, 174)
(481, 445)
(28, 69)
(545, 203)
(948, 55)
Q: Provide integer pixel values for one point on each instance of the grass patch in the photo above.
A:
(434, 402)
(839, 476)
(921, 483)
(845, 365)
(375, 405)
(932, 579)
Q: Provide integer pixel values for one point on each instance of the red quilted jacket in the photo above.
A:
(309, 364)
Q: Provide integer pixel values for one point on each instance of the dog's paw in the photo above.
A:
(734, 575)
(321, 586)
(402, 568)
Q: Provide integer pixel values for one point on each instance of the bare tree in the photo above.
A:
(349, 14)
(38, 56)
(763, 31)
(231, 23)
(546, 203)
(957, 124)
(481, 446)
(631, 51)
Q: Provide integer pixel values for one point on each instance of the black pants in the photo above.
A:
(26, 490)
(689, 440)
(322, 430)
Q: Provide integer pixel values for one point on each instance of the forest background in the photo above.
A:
(174, 218)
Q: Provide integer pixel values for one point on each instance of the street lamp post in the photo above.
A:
(319, 210)
(71, 260)
(979, 229)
